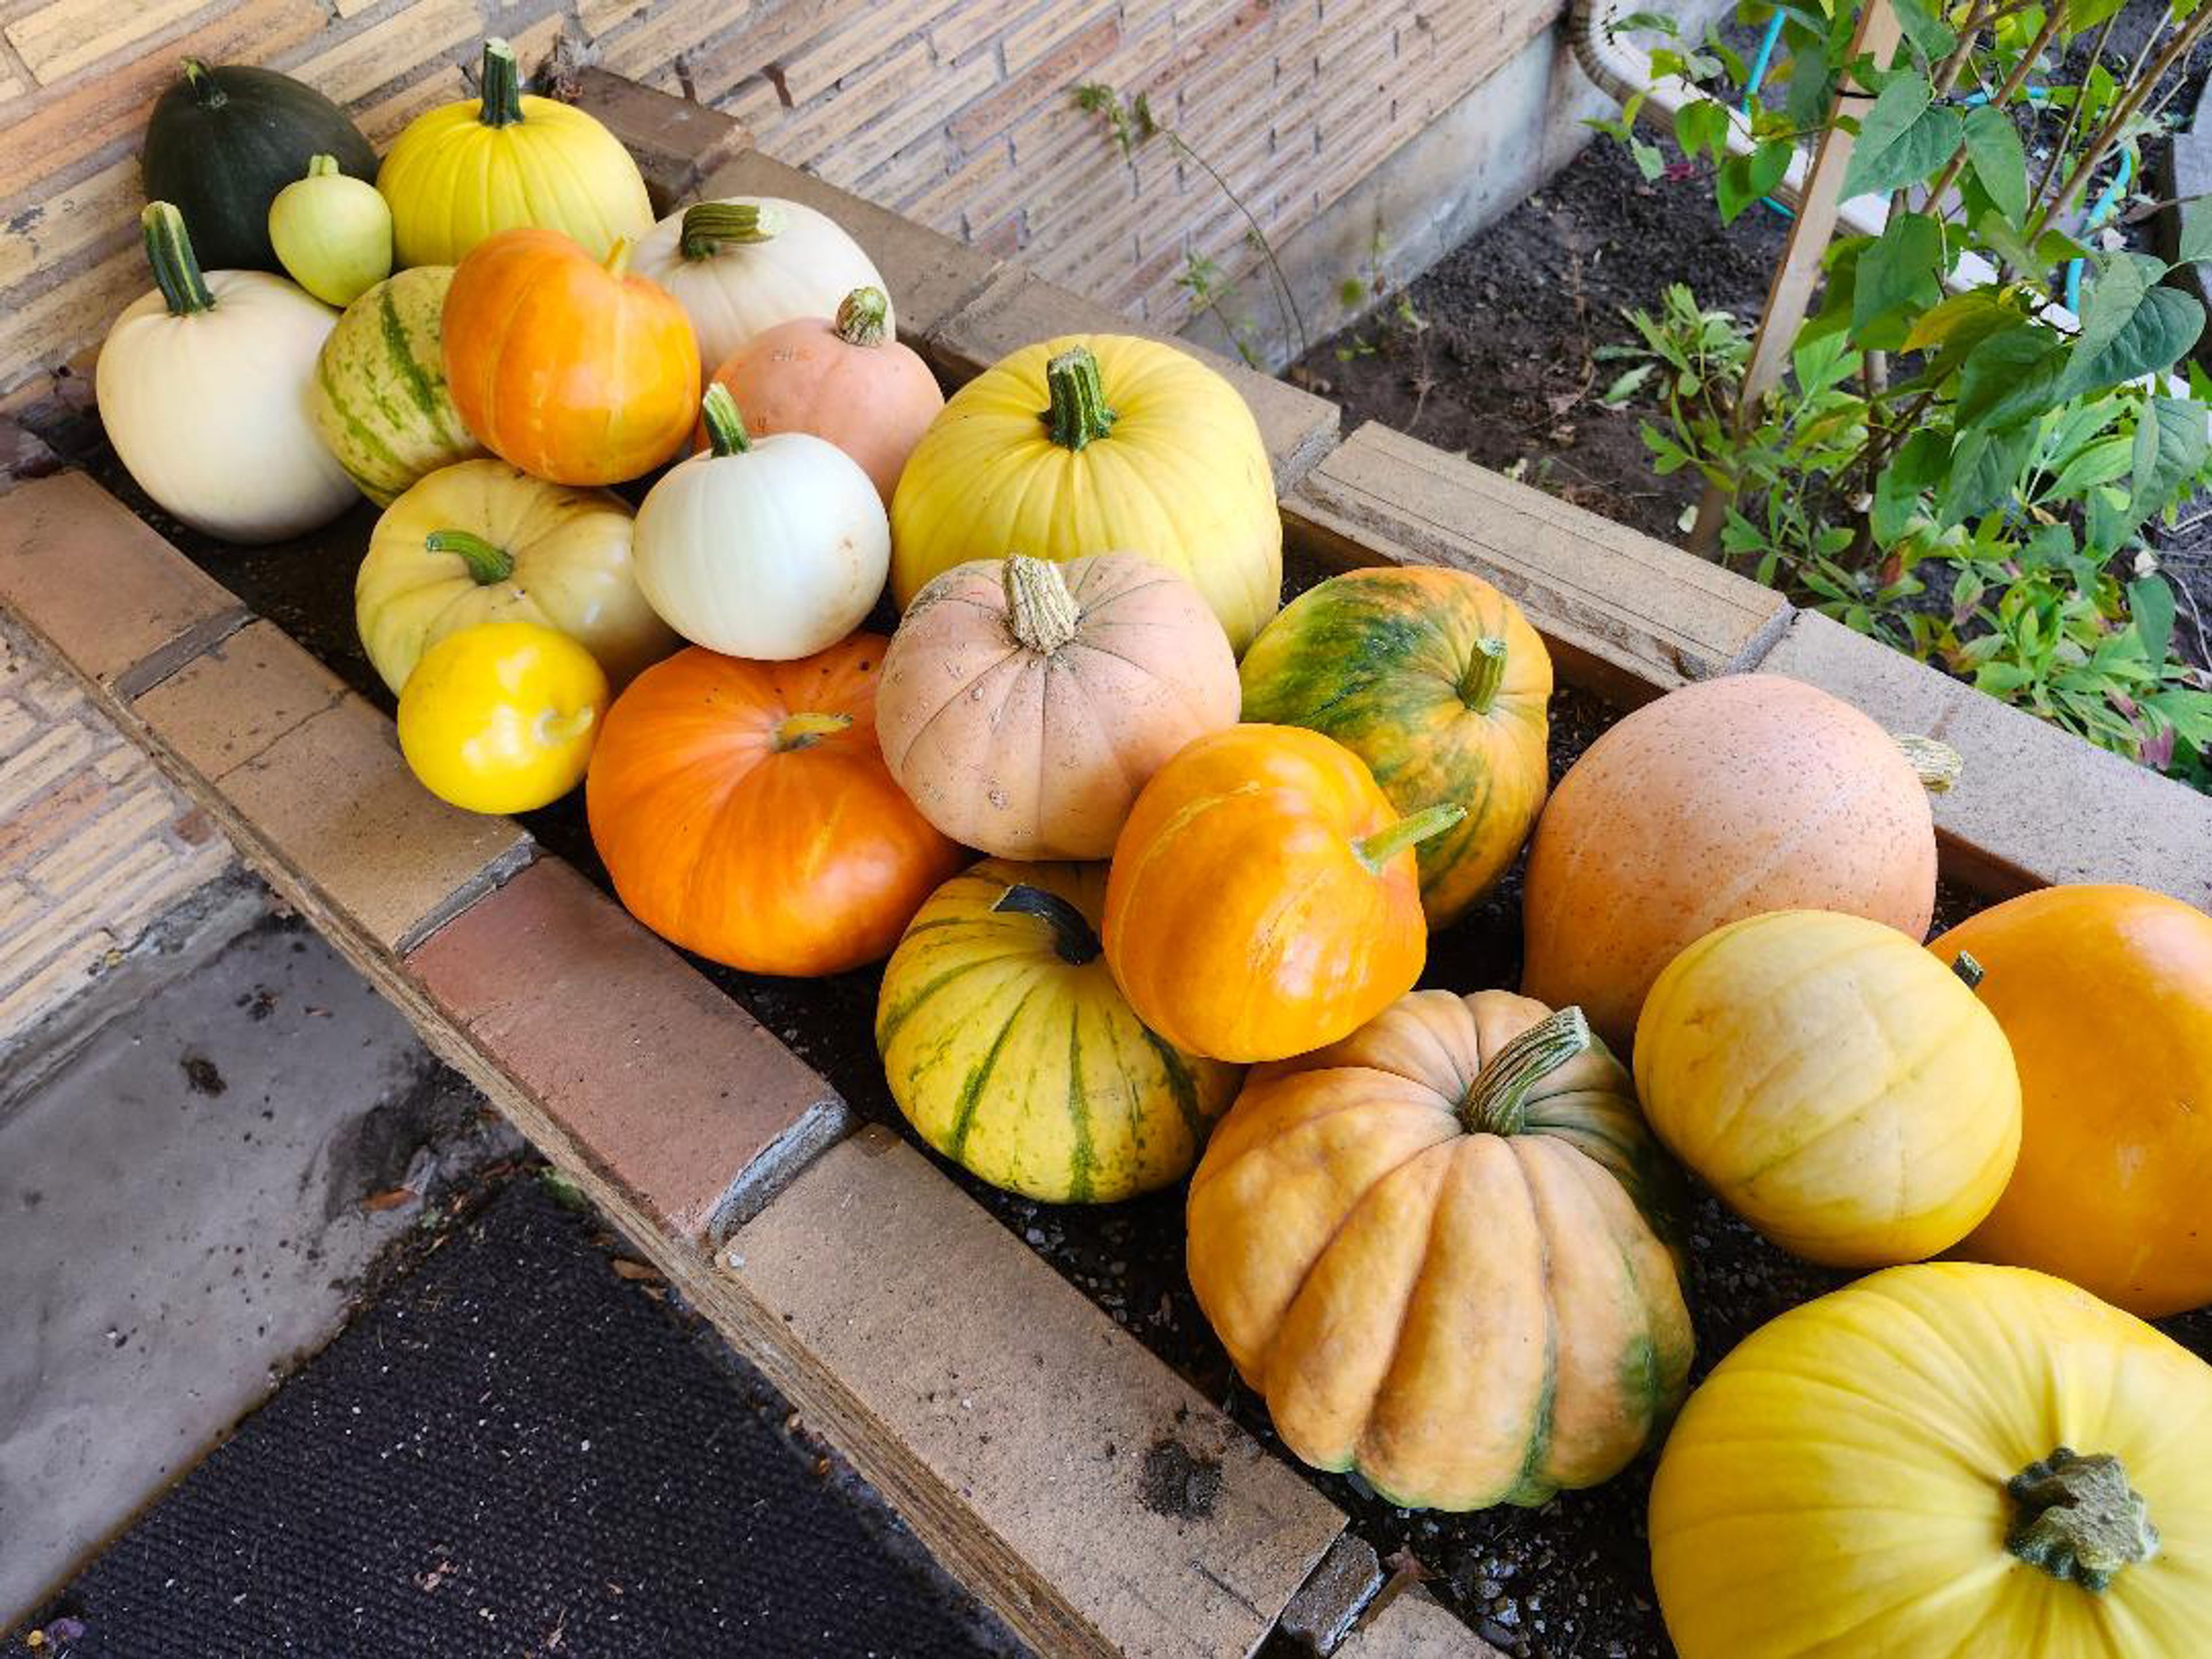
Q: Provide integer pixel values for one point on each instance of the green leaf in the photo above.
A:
(1742, 179)
(1625, 387)
(1903, 268)
(1702, 124)
(2007, 243)
(2100, 462)
(1644, 19)
(1925, 28)
(1993, 150)
(1985, 466)
(2087, 15)
(1959, 315)
(2151, 601)
(2195, 239)
(2170, 446)
(1648, 160)
(1902, 140)
(2010, 377)
(2164, 323)
(1917, 465)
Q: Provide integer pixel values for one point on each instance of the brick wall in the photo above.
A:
(953, 112)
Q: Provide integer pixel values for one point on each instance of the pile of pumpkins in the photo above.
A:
(1441, 1236)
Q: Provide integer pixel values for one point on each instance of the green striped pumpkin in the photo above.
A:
(380, 398)
(1011, 1050)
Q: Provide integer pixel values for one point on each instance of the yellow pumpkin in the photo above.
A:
(1837, 1087)
(466, 171)
(1093, 445)
(1942, 1461)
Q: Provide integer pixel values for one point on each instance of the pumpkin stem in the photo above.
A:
(1936, 763)
(1478, 687)
(487, 563)
(1379, 848)
(708, 225)
(804, 731)
(725, 428)
(205, 92)
(2078, 1519)
(617, 259)
(1079, 412)
(1041, 612)
(1497, 1102)
(1967, 968)
(322, 166)
(1072, 937)
(176, 271)
(860, 316)
(500, 94)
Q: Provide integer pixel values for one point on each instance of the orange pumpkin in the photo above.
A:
(744, 812)
(845, 380)
(1264, 899)
(572, 370)
(2106, 993)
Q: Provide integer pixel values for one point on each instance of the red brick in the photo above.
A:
(657, 1078)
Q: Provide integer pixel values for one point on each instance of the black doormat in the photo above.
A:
(515, 1452)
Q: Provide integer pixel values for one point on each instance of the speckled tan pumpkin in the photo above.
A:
(1724, 799)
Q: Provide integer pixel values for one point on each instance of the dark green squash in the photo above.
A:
(223, 142)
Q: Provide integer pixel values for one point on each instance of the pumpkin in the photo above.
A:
(743, 265)
(1264, 899)
(573, 370)
(222, 141)
(500, 716)
(480, 542)
(1024, 703)
(379, 399)
(1836, 1085)
(847, 381)
(1443, 1251)
(331, 233)
(462, 172)
(1435, 680)
(203, 387)
(1943, 1462)
(771, 550)
(1141, 448)
(1012, 1052)
(743, 811)
(2106, 993)
(1720, 801)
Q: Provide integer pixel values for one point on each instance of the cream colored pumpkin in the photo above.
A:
(1023, 703)
(770, 551)
(741, 265)
(203, 387)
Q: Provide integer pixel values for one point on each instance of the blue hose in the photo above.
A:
(1759, 65)
(2097, 214)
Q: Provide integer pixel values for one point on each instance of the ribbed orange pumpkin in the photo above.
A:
(573, 370)
(744, 812)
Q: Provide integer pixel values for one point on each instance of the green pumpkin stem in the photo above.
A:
(205, 92)
(710, 225)
(1042, 614)
(861, 315)
(725, 428)
(1078, 413)
(1073, 937)
(1497, 1102)
(1934, 762)
(1967, 968)
(487, 563)
(804, 730)
(500, 93)
(322, 166)
(176, 271)
(2077, 1518)
(1379, 848)
(1486, 672)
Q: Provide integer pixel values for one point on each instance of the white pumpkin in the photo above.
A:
(203, 386)
(741, 265)
(771, 550)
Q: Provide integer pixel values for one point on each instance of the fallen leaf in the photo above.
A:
(625, 1268)
(389, 1200)
(1402, 1563)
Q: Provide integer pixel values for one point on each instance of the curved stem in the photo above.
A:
(1969, 969)
(617, 264)
(1042, 614)
(1486, 672)
(500, 94)
(708, 225)
(205, 92)
(725, 428)
(487, 563)
(2077, 1518)
(1079, 413)
(805, 730)
(1379, 848)
(1497, 1102)
(322, 166)
(176, 271)
(1934, 761)
(1073, 936)
(860, 316)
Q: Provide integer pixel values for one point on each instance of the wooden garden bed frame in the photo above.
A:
(1006, 1417)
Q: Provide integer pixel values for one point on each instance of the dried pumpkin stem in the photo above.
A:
(500, 94)
(205, 92)
(322, 166)
(709, 226)
(861, 316)
(487, 563)
(725, 428)
(2078, 1519)
(1967, 968)
(1073, 937)
(1936, 763)
(805, 730)
(1042, 614)
(176, 270)
(1486, 672)
(1379, 848)
(1078, 413)
(1497, 1102)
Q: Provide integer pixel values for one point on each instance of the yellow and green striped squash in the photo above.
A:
(380, 398)
(1011, 1050)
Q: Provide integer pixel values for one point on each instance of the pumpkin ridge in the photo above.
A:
(1084, 1156)
(1412, 1288)
(1177, 686)
(1530, 1488)
(1181, 1083)
(892, 1020)
(971, 1091)
(400, 353)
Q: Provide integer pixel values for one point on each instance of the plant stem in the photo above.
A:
(205, 92)
(1378, 849)
(725, 428)
(2073, 115)
(487, 563)
(1040, 611)
(176, 270)
(1486, 672)
(1496, 1102)
(1266, 247)
(860, 316)
(500, 95)
(2139, 89)
(1078, 413)
(1073, 939)
(708, 225)
(2005, 94)
(2077, 1518)
(322, 166)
